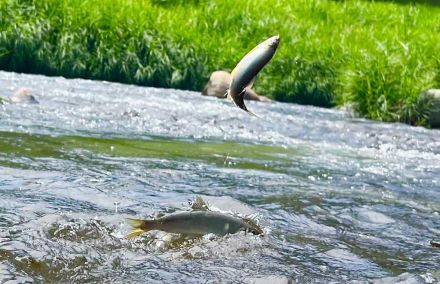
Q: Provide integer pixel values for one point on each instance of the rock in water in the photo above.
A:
(23, 96)
(218, 84)
(404, 278)
(270, 279)
(434, 115)
(349, 109)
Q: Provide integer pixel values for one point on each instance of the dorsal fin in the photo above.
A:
(199, 204)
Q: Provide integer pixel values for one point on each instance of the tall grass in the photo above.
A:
(379, 55)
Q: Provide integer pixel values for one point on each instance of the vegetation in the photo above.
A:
(378, 55)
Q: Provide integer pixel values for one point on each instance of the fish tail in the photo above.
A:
(251, 113)
(139, 227)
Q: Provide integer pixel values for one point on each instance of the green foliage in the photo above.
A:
(309, 82)
(384, 91)
(378, 54)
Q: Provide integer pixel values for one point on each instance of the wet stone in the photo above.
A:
(374, 217)
(218, 84)
(23, 96)
(433, 96)
(404, 278)
(270, 279)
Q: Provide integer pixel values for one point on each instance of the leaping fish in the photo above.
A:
(199, 221)
(244, 74)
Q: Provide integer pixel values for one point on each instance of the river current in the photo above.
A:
(341, 199)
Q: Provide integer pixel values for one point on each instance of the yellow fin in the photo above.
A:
(136, 223)
(135, 233)
(136, 229)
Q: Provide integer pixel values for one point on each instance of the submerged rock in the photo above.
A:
(270, 279)
(433, 96)
(370, 216)
(350, 109)
(23, 96)
(218, 84)
(404, 278)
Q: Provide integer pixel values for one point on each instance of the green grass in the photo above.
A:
(379, 55)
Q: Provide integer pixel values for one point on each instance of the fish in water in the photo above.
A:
(199, 221)
(244, 74)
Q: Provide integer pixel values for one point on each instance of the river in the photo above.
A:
(340, 198)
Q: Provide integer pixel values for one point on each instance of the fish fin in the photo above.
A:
(135, 233)
(240, 103)
(251, 113)
(199, 204)
(239, 100)
(138, 227)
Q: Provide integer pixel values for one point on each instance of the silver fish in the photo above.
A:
(244, 74)
(200, 221)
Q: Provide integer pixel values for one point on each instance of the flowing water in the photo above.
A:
(340, 199)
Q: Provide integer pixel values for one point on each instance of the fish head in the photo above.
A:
(273, 41)
(256, 231)
(253, 227)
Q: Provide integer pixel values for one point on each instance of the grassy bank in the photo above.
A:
(380, 55)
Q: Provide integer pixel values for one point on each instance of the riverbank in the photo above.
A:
(380, 56)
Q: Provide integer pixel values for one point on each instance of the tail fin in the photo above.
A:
(138, 227)
(239, 101)
(251, 113)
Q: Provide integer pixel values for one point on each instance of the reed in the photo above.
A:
(379, 55)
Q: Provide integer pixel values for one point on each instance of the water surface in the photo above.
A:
(341, 199)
